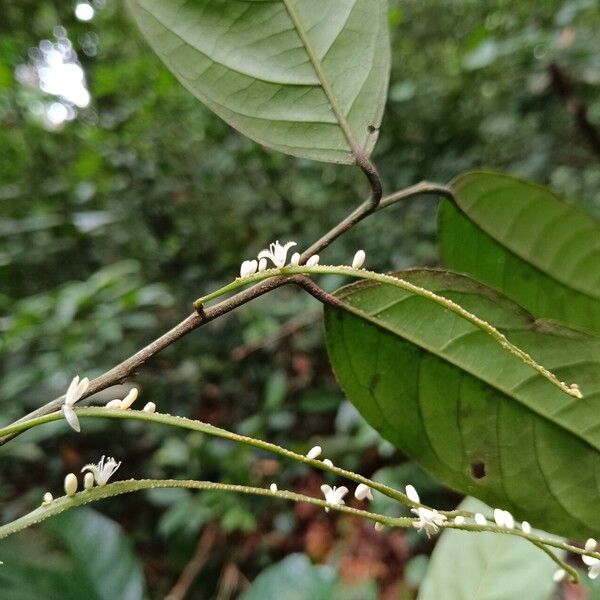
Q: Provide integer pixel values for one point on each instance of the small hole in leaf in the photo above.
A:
(371, 129)
(478, 470)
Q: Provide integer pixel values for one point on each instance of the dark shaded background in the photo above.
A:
(115, 221)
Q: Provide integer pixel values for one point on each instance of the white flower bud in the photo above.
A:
(590, 545)
(509, 521)
(71, 417)
(412, 493)
(244, 268)
(327, 462)
(273, 488)
(313, 261)
(480, 519)
(88, 481)
(116, 403)
(499, 517)
(559, 575)
(459, 520)
(314, 452)
(526, 527)
(359, 259)
(363, 491)
(150, 407)
(130, 398)
(48, 497)
(295, 260)
(70, 484)
(379, 526)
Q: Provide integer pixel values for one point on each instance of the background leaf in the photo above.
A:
(469, 412)
(527, 242)
(296, 578)
(96, 562)
(306, 78)
(486, 566)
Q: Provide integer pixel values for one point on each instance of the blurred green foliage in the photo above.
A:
(114, 223)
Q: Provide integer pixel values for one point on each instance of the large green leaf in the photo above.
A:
(306, 77)
(467, 410)
(486, 566)
(83, 555)
(525, 241)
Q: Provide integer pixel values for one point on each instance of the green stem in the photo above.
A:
(561, 563)
(134, 485)
(194, 425)
(397, 282)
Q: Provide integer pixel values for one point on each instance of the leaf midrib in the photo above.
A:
(322, 77)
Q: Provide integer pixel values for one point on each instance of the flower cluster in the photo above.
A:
(277, 253)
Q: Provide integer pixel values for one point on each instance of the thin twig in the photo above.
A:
(205, 543)
(204, 315)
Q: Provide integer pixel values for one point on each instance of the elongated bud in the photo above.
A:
(314, 452)
(252, 267)
(412, 493)
(359, 259)
(88, 481)
(313, 261)
(526, 527)
(480, 519)
(295, 260)
(363, 491)
(70, 484)
(116, 403)
(130, 398)
(273, 487)
(48, 497)
(150, 407)
(327, 462)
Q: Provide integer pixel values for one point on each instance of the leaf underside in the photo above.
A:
(308, 78)
(525, 241)
(470, 412)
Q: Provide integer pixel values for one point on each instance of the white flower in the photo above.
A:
(359, 259)
(74, 392)
(295, 260)
(313, 261)
(150, 407)
(327, 462)
(273, 488)
(335, 495)
(429, 519)
(526, 527)
(276, 253)
(103, 471)
(70, 484)
(593, 565)
(590, 561)
(480, 519)
(314, 452)
(363, 491)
